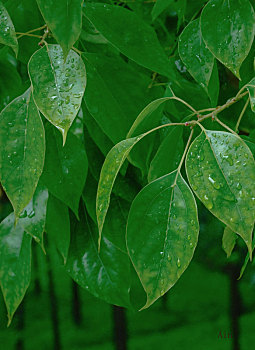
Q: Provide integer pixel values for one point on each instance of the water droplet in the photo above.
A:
(178, 262)
(239, 186)
(215, 184)
(23, 214)
(31, 214)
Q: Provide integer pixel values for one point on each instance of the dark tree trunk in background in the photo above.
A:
(119, 328)
(76, 304)
(53, 307)
(164, 299)
(235, 307)
(37, 289)
(20, 317)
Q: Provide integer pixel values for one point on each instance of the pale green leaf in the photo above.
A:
(228, 241)
(7, 30)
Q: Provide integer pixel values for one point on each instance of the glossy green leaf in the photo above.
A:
(168, 155)
(64, 18)
(58, 225)
(228, 28)
(228, 241)
(7, 30)
(65, 168)
(33, 217)
(15, 263)
(129, 34)
(195, 55)
(164, 214)
(159, 7)
(104, 274)
(22, 150)
(251, 88)
(221, 172)
(58, 86)
(110, 169)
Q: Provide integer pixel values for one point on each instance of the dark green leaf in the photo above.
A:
(251, 88)
(58, 86)
(58, 225)
(126, 31)
(104, 274)
(159, 7)
(22, 150)
(228, 241)
(15, 263)
(65, 168)
(162, 233)
(64, 18)
(7, 30)
(221, 171)
(228, 28)
(33, 218)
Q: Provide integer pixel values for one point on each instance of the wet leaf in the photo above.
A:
(228, 241)
(251, 88)
(129, 34)
(15, 263)
(22, 150)
(64, 18)
(105, 275)
(221, 172)
(109, 171)
(7, 30)
(33, 217)
(65, 168)
(58, 225)
(195, 55)
(165, 216)
(168, 155)
(228, 28)
(58, 86)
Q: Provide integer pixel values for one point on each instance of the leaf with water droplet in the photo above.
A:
(64, 18)
(7, 30)
(51, 87)
(138, 40)
(109, 172)
(65, 167)
(224, 184)
(195, 55)
(104, 274)
(22, 150)
(162, 214)
(228, 241)
(15, 263)
(34, 222)
(228, 29)
(58, 225)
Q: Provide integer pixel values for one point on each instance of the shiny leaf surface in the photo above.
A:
(22, 150)
(221, 172)
(58, 86)
(7, 30)
(164, 214)
(228, 30)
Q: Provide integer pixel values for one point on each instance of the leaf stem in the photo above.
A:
(26, 34)
(31, 31)
(226, 127)
(241, 115)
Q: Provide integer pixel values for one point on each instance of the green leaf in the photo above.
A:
(221, 172)
(22, 150)
(130, 35)
(105, 275)
(64, 18)
(164, 214)
(168, 155)
(251, 89)
(228, 241)
(109, 171)
(58, 225)
(7, 30)
(15, 263)
(195, 55)
(159, 7)
(33, 217)
(58, 86)
(246, 260)
(228, 28)
(65, 168)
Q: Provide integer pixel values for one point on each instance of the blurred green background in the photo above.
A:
(207, 309)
